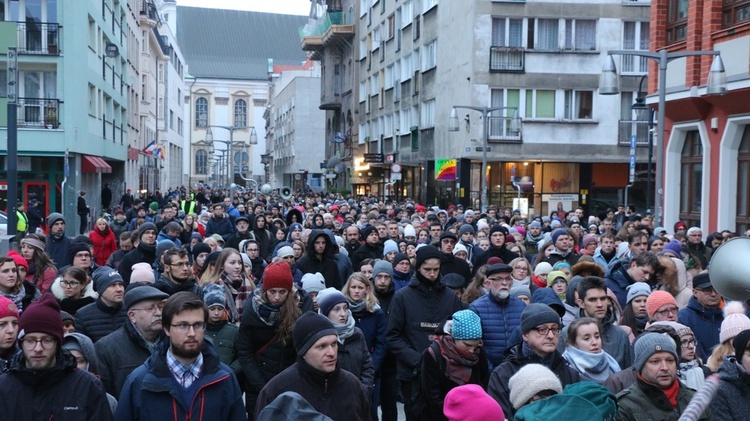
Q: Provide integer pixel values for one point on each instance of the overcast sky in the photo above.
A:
(289, 7)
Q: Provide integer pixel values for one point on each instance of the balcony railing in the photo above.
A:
(505, 130)
(629, 128)
(148, 11)
(39, 112)
(38, 38)
(320, 27)
(507, 59)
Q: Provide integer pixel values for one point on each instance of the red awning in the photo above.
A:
(95, 164)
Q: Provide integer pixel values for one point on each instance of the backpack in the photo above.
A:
(417, 403)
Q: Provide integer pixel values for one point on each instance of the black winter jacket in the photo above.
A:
(60, 393)
(168, 287)
(121, 352)
(143, 253)
(414, 314)
(339, 394)
(365, 251)
(98, 320)
(504, 254)
(355, 358)
(452, 264)
(311, 263)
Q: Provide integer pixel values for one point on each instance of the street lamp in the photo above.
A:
(453, 127)
(609, 84)
(210, 138)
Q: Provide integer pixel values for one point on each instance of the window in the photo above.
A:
(374, 84)
(735, 11)
(171, 120)
(363, 7)
(507, 32)
(375, 38)
(427, 5)
(540, 103)
(743, 187)
(543, 34)
(406, 70)
(388, 129)
(201, 161)
(201, 112)
(691, 179)
(635, 37)
(578, 105)
(677, 13)
(391, 26)
(179, 125)
(580, 35)
(363, 48)
(362, 133)
(407, 14)
(429, 56)
(416, 29)
(240, 113)
(362, 91)
(427, 119)
(389, 77)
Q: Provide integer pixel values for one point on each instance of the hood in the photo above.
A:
(731, 371)
(293, 213)
(548, 297)
(87, 349)
(57, 290)
(331, 247)
(289, 403)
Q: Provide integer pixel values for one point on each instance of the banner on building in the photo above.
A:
(445, 169)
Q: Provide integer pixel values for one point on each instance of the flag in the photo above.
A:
(162, 152)
(149, 150)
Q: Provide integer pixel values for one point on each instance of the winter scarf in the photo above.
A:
(240, 289)
(150, 345)
(345, 330)
(267, 312)
(526, 351)
(17, 298)
(459, 365)
(357, 307)
(522, 282)
(691, 374)
(598, 367)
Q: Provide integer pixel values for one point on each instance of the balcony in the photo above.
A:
(149, 15)
(505, 130)
(630, 128)
(330, 97)
(507, 59)
(40, 113)
(335, 26)
(38, 38)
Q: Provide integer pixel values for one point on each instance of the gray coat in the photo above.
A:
(730, 401)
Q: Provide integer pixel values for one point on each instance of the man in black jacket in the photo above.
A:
(497, 248)
(316, 376)
(144, 253)
(107, 314)
(415, 312)
(320, 256)
(178, 274)
(123, 350)
(371, 249)
(452, 264)
(43, 381)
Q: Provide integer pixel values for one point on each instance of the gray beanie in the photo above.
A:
(536, 314)
(651, 343)
(465, 228)
(54, 217)
(382, 266)
(313, 282)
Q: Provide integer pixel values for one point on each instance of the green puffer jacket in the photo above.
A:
(223, 336)
(644, 402)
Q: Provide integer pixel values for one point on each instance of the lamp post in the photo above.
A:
(645, 113)
(453, 127)
(609, 84)
(210, 138)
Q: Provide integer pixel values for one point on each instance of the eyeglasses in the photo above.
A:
(30, 343)
(504, 280)
(688, 343)
(707, 290)
(544, 331)
(523, 268)
(668, 311)
(180, 264)
(185, 327)
(152, 308)
(69, 284)
(252, 250)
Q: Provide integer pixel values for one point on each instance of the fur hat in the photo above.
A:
(529, 381)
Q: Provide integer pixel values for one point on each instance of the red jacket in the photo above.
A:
(104, 244)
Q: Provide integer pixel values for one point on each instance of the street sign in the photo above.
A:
(374, 158)
(111, 50)
(632, 159)
(395, 176)
(396, 168)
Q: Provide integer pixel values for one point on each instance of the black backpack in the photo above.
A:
(417, 402)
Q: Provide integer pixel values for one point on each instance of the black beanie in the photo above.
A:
(366, 231)
(73, 249)
(308, 329)
(496, 228)
(740, 343)
(399, 257)
(428, 252)
(200, 248)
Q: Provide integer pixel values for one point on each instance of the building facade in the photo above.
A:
(554, 142)
(707, 138)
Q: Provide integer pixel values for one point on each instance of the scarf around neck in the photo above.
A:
(345, 330)
(526, 351)
(357, 307)
(595, 366)
(459, 365)
(691, 374)
(267, 312)
(17, 298)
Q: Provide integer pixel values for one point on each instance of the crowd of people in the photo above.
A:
(201, 305)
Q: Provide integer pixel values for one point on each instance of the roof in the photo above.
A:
(254, 37)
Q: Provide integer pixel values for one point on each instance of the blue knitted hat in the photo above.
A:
(466, 326)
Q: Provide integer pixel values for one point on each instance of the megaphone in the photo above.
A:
(728, 269)
(285, 192)
(266, 189)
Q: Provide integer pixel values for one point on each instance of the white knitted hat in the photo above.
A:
(530, 380)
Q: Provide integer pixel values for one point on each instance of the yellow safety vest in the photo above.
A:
(23, 222)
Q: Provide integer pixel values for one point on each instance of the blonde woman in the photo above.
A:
(229, 272)
(368, 316)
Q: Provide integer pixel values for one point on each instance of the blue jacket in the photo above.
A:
(618, 280)
(498, 322)
(373, 326)
(401, 279)
(705, 323)
(224, 227)
(152, 393)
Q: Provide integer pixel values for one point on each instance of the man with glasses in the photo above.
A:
(661, 307)
(499, 312)
(43, 381)
(540, 328)
(184, 376)
(703, 314)
(594, 303)
(178, 274)
(123, 350)
(621, 274)
(252, 249)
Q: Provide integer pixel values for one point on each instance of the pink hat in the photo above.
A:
(734, 322)
(471, 403)
(657, 300)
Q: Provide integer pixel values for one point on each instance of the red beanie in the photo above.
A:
(278, 275)
(20, 261)
(42, 316)
(7, 308)
(657, 300)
